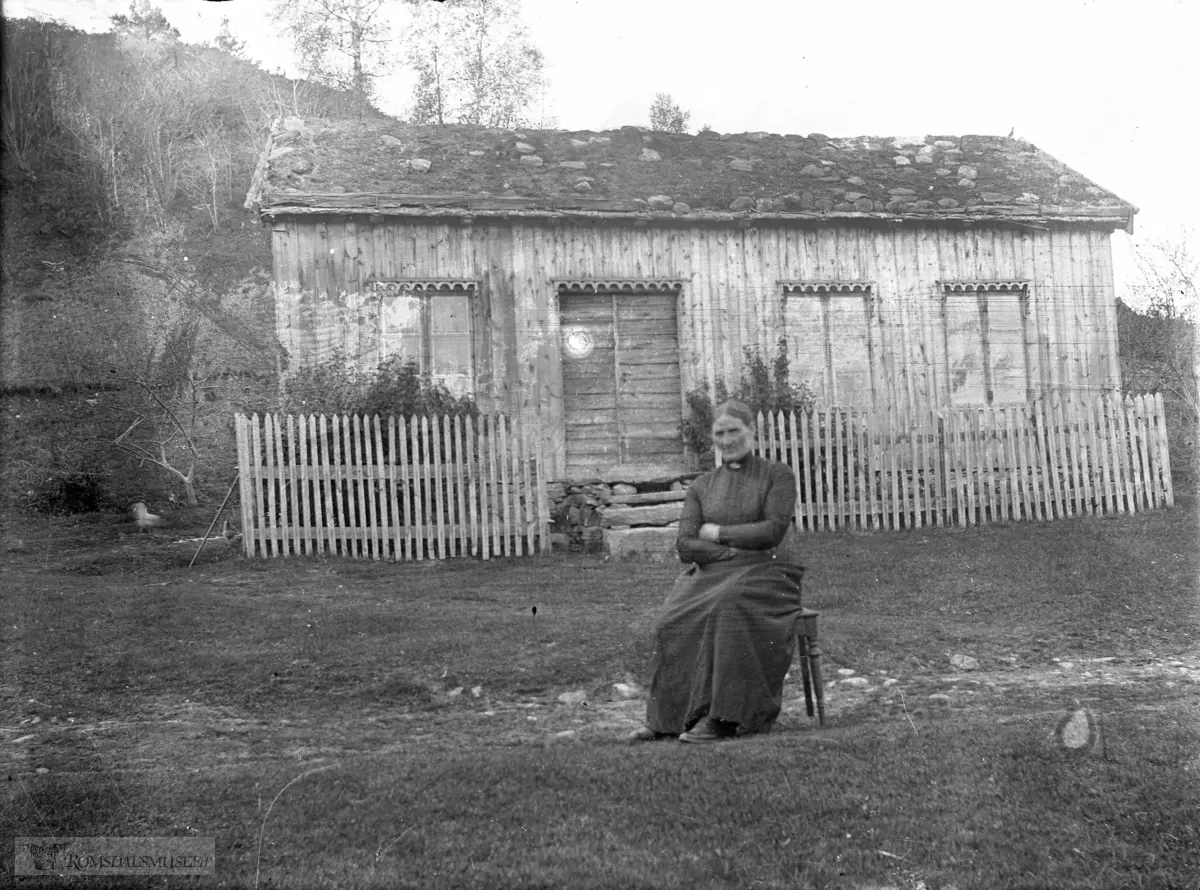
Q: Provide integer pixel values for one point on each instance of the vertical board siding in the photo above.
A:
(403, 488)
(1063, 340)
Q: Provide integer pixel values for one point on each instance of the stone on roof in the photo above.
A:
(389, 167)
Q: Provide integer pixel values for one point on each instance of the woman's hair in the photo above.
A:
(736, 409)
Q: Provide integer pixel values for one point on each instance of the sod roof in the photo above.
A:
(388, 167)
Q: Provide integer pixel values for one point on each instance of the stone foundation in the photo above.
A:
(593, 516)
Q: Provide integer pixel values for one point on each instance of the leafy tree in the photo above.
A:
(227, 42)
(145, 19)
(666, 116)
(475, 64)
(1158, 345)
(340, 43)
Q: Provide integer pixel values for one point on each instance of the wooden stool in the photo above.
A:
(810, 662)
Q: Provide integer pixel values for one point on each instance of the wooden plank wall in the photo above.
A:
(731, 297)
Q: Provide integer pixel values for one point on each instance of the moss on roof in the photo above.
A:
(386, 166)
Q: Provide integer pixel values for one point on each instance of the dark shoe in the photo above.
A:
(708, 730)
(645, 734)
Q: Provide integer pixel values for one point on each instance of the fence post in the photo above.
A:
(245, 484)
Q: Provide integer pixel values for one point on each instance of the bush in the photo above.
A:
(765, 388)
(397, 387)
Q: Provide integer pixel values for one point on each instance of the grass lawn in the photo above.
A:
(350, 724)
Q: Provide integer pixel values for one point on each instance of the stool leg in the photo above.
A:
(814, 656)
(802, 646)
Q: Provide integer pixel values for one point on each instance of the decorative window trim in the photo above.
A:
(426, 291)
(618, 285)
(392, 286)
(1012, 285)
(809, 288)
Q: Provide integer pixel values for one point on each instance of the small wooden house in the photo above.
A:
(586, 282)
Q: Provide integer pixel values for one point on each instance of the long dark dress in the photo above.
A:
(722, 640)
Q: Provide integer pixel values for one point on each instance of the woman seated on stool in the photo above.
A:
(723, 641)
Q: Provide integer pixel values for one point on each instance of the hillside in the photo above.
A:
(132, 277)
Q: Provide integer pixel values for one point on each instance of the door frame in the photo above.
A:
(615, 286)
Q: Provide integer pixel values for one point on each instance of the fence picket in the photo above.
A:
(471, 517)
(934, 456)
(1009, 478)
(513, 483)
(797, 467)
(338, 473)
(840, 472)
(1160, 431)
(860, 465)
(437, 518)
(1086, 456)
(275, 490)
(1127, 450)
(1027, 460)
(256, 524)
(1146, 451)
(1152, 454)
(1027, 437)
(297, 443)
(989, 457)
(1112, 433)
(1073, 437)
(806, 471)
(1120, 464)
(404, 491)
(1104, 502)
(380, 483)
(1094, 472)
(245, 482)
(1011, 504)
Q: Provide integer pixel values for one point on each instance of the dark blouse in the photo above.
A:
(753, 504)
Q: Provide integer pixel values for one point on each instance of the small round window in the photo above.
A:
(578, 343)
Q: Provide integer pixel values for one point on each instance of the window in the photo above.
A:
(985, 341)
(828, 326)
(431, 323)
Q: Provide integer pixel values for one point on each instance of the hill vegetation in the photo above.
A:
(136, 302)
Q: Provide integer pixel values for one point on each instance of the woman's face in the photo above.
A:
(731, 437)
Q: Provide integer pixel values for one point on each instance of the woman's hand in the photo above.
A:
(710, 531)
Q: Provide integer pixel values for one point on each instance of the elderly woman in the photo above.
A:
(723, 639)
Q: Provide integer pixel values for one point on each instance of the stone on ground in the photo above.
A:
(653, 542)
(964, 662)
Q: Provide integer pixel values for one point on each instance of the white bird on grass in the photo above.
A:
(143, 518)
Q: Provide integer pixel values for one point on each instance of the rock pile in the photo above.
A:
(594, 516)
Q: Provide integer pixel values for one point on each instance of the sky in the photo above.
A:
(1108, 87)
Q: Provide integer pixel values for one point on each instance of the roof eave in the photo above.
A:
(465, 208)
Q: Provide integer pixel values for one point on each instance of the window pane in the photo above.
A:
(401, 322)
(850, 357)
(1006, 348)
(450, 342)
(964, 350)
(805, 327)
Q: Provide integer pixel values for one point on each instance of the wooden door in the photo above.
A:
(621, 385)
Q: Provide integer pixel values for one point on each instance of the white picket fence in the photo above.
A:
(968, 466)
(390, 487)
